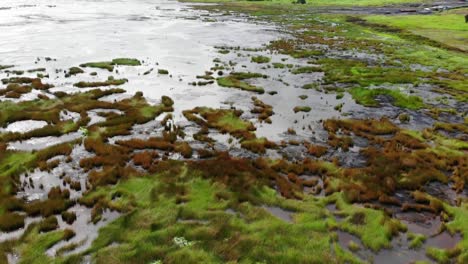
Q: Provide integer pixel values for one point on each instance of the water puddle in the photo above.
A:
(279, 213)
(43, 142)
(24, 126)
(68, 115)
(96, 115)
(85, 230)
(4, 236)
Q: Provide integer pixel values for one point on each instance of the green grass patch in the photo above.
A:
(235, 80)
(106, 65)
(110, 82)
(157, 218)
(126, 62)
(260, 59)
(416, 240)
(446, 28)
(367, 97)
(109, 65)
(305, 109)
(374, 227)
(306, 69)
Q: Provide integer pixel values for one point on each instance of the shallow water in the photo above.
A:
(279, 213)
(43, 142)
(24, 126)
(160, 33)
(163, 34)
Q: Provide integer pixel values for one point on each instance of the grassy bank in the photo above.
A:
(332, 3)
(447, 27)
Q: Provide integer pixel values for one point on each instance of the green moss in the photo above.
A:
(445, 28)
(302, 109)
(109, 82)
(345, 256)
(367, 97)
(416, 240)
(247, 75)
(338, 107)
(257, 145)
(314, 86)
(15, 163)
(163, 71)
(37, 70)
(306, 53)
(34, 246)
(231, 122)
(415, 134)
(306, 69)
(278, 65)
(126, 62)
(75, 70)
(202, 219)
(3, 67)
(107, 65)
(457, 224)
(353, 246)
(226, 120)
(235, 80)
(439, 255)
(260, 59)
(374, 227)
(358, 72)
(452, 143)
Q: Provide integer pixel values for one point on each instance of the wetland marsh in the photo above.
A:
(139, 131)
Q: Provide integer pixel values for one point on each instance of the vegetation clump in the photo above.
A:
(48, 224)
(227, 121)
(305, 109)
(416, 240)
(257, 145)
(3, 67)
(109, 82)
(260, 59)
(236, 80)
(263, 110)
(126, 62)
(109, 65)
(101, 65)
(306, 69)
(75, 71)
(11, 221)
(367, 97)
